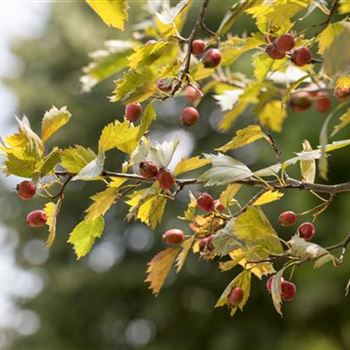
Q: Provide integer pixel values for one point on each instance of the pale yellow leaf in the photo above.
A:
(51, 210)
(308, 167)
(344, 120)
(185, 248)
(228, 194)
(268, 197)
(272, 115)
(327, 36)
(53, 120)
(186, 165)
(75, 158)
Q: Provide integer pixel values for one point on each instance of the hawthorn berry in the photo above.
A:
(235, 297)
(206, 243)
(285, 42)
(197, 47)
(274, 53)
(189, 116)
(219, 206)
(165, 179)
(301, 56)
(133, 111)
(148, 169)
(212, 58)
(342, 93)
(300, 101)
(192, 93)
(306, 230)
(165, 84)
(36, 218)
(205, 202)
(287, 218)
(288, 290)
(26, 190)
(173, 236)
(323, 102)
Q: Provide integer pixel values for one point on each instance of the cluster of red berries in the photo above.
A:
(280, 46)
(150, 170)
(211, 57)
(26, 190)
(306, 230)
(302, 100)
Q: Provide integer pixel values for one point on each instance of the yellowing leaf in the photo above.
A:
(327, 36)
(92, 170)
(53, 120)
(263, 65)
(147, 118)
(228, 194)
(112, 12)
(159, 267)
(191, 208)
(47, 164)
(186, 165)
(344, 121)
(268, 197)
(344, 7)
(123, 136)
(308, 167)
(51, 210)
(84, 235)
(151, 211)
(185, 249)
(243, 137)
(102, 203)
(75, 158)
(272, 115)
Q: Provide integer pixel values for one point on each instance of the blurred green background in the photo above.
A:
(101, 301)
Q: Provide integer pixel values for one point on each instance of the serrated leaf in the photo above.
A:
(102, 203)
(162, 153)
(123, 136)
(268, 197)
(75, 158)
(243, 137)
(48, 163)
(159, 267)
(151, 211)
(84, 235)
(53, 120)
(19, 167)
(228, 194)
(51, 210)
(186, 165)
(92, 170)
(185, 249)
(308, 167)
(112, 12)
(272, 115)
(224, 170)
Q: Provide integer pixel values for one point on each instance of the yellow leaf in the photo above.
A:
(308, 167)
(75, 158)
(123, 136)
(228, 194)
(112, 12)
(185, 248)
(344, 121)
(344, 7)
(159, 267)
(263, 65)
(51, 210)
(268, 197)
(272, 115)
(53, 120)
(147, 118)
(186, 165)
(47, 164)
(243, 137)
(151, 211)
(191, 208)
(102, 203)
(327, 36)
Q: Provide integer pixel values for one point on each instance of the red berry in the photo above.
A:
(301, 56)
(288, 290)
(323, 102)
(306, 230)
(26, 190)
(189, 116)
(218, 205)
(300, 101)
(235, 297)
(36, 218)
(285, 42)
(342, 93)
(148, 169)
(173, 236)
(165, 84)
(133, 111)
(206, 243)
(287, 218)
(192, 93)
(205, 202)
(165, 179)
(212, 58)
(269, 283)
(274, 53)
(151, 42)
(197, 47)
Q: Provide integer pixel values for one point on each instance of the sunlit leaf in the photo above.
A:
(268, 197)
(92, 170)
(186, 165)
(185, 249)
(228, 194)
(272, 115)
(75, 158)
(308, 167)
(51, 210)
(53, 120)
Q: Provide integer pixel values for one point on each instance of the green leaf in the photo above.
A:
(19, 167)
(224, 170)
(84, 235)
(112, 12)
(243, 137)
(48, 163)
(92, 170)
(53, 120)
(75, 158)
